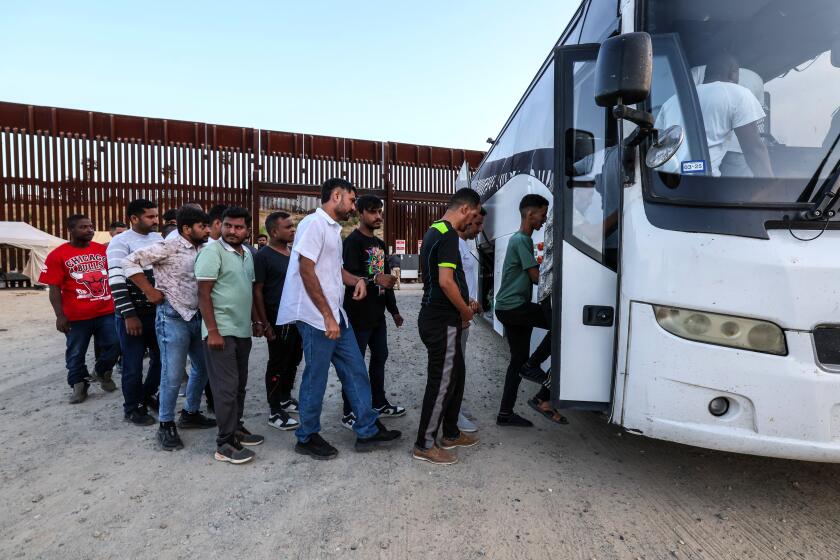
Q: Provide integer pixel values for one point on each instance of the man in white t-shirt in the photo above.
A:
(470, 264)
(729, 111)
(313, 297)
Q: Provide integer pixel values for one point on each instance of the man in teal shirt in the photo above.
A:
(519, 315)
(225, 274)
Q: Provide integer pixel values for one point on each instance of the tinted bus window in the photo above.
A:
(601, 20)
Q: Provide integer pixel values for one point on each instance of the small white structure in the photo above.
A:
(39, 244)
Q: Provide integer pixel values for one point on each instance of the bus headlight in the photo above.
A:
(723, 330)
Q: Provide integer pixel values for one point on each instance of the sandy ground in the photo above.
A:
(78, 482)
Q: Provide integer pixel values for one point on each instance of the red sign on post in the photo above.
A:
(399, 247)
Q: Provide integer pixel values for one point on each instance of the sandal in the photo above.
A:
(545, 408)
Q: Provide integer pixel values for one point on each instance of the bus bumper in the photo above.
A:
(780, 406)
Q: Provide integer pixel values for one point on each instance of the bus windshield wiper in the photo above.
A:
(826, 198)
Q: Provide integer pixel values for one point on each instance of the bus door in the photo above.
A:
(586, 237)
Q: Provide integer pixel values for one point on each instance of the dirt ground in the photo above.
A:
(78, 482)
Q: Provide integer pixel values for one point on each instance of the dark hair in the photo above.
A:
(532, 201)
(720, 67)
(189, 216)
(262, 235)
(171, 214)
(74, 219)
(272, 219)
(115, 225)
(238, 212)
(167, 229)
(217, 212)
(335, 183)
(464, 196)
(138, 207)
(368, 202)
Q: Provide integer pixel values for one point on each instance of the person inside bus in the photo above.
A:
(519, 315)
(730, 111)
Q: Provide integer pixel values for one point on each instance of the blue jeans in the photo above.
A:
(137, 392)
(78, 340)
(319, 351)
(178, 339)
(377, 339)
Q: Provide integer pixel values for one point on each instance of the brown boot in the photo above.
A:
(105, 381)
(463, 440)
(435, 455)
(79, 392)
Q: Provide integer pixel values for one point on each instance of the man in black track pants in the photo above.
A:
(444, 313)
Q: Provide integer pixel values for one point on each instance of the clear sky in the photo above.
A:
(430, 72)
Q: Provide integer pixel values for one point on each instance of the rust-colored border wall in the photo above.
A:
(56, 162)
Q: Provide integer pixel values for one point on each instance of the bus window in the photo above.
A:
(601, 21)
(591, 169)
(766, 96)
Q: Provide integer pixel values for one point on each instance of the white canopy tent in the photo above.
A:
(23, 236)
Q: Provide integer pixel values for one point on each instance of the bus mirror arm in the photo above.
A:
(644, 130)
(643, 119)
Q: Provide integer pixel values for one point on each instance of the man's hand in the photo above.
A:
(155, 296)
(331, 328)
(268, 332)
(466, 316)
(387, 281)
(398, 320)
(62, 324)
(215, 341)
(258, 329)
(133, 326)
(474, 306)
(359, 292)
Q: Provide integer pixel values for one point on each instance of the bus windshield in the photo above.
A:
(756, 86)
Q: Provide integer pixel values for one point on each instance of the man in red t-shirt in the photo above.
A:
(77, 274)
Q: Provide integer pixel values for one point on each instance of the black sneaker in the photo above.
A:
(168, 437)
(317, 448)
(290, 406)
(195, 421)
(245, 437)
(348, 421)
(534, 374)
(234, 453)
(513, 420)
(389, 410)
(380, 439)
(139, 417)
(282, 421)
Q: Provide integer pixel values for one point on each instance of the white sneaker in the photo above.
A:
(348, 421)
(465, 424)
(282, 421)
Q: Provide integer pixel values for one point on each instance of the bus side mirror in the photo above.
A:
(580, 149)
(623, 70)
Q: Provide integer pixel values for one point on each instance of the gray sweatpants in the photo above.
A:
(227, 370)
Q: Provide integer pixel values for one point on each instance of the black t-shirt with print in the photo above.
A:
(366, 257)
(440, 250)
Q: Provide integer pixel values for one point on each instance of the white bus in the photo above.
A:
(695, 281)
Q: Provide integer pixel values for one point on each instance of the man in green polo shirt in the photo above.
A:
(225, 274)
(519, 315)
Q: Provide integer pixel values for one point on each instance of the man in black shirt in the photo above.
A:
(444, 313)
(365, 256)
(285, 349)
